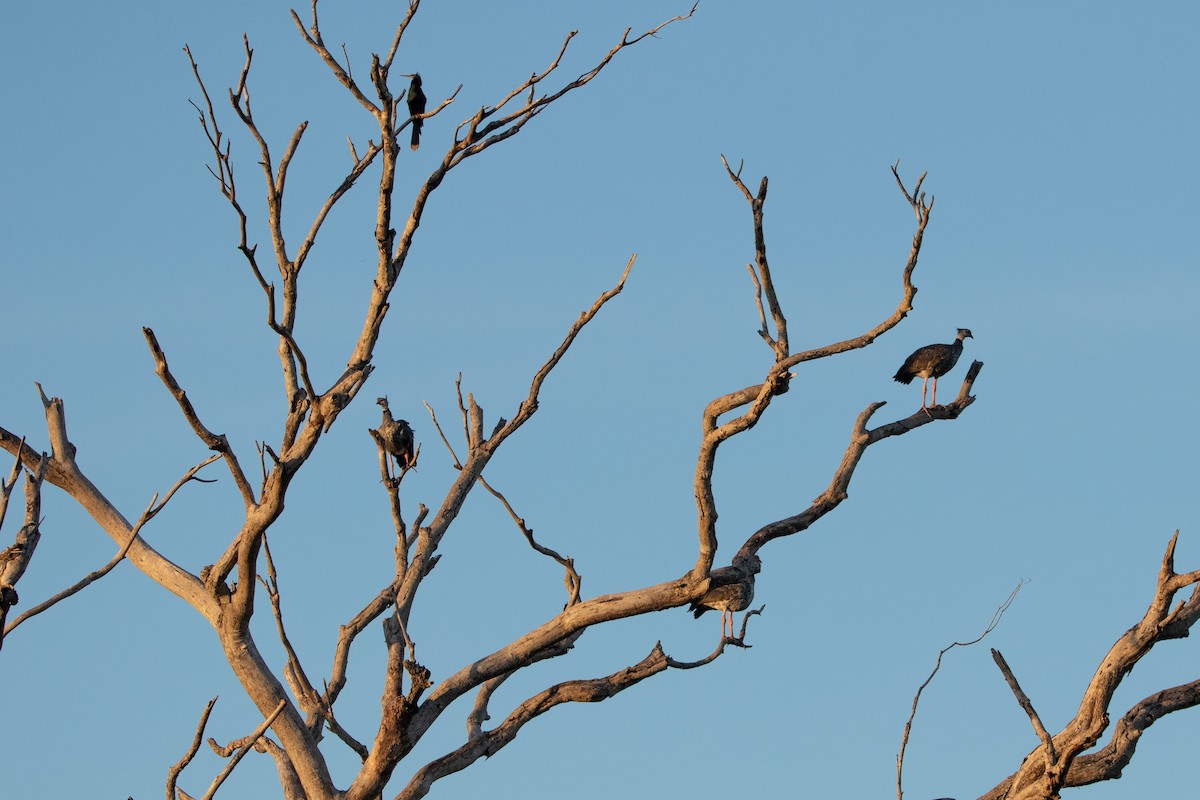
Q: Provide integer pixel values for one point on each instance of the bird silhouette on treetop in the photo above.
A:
(416, 105)
(932, 361)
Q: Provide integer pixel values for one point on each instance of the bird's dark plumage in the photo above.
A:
(730, 589)
(932, 361)
(396, 436)
(416, 105)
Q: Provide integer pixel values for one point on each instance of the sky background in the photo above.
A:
(1060, 144)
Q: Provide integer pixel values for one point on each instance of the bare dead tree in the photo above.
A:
(296, 710)
(225, 592)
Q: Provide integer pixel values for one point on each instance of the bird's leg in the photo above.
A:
(935, 392)
(924, 390)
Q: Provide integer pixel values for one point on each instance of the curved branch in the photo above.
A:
(860, 439)
(777, 379)
(572, 580)
(488, 743)
(991, 626)
(1109, 762)
(738, 641)
(242, 746)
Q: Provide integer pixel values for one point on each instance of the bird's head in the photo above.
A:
(416, 78)
(382, 401)
(963, 333)
(749, 564)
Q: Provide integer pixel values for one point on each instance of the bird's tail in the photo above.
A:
(903, 377)
(416, 133)
(697, 609)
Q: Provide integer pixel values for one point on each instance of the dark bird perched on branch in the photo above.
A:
(395, 437)
(416, 105)
(932, 361)
(731, 589)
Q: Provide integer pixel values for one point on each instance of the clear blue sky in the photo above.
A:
(1060, 142)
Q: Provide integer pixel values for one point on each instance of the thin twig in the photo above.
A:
(147, 515)
(572, 580)
(174, 771)
(246, 745)
(996, 615)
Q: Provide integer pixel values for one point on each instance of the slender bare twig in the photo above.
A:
(572, 580)
(243, 747)
(181, 765)
(739, 641)
(996, 616)
(476, 138)
(147, 515)
(293, 671)
(441, 433)
(312, 35)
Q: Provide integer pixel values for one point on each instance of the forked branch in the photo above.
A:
(147, 515)
(487, 743)
(1058, 762)
(758, 397)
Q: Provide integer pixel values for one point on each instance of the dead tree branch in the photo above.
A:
(238, 749)
(860, 440)
(1058, 762)
(173, 773)
(147, 515)
(216, 442)
(572, 580)
(14, 559)
(62, 471)
(487, 743)
(775, 382)
(6, 486)
(1053, 765)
